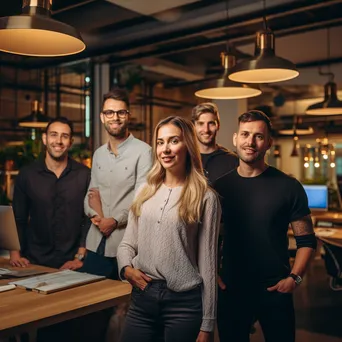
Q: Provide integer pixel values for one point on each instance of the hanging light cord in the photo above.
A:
(227, 31)
(264, 16)
(329, 73)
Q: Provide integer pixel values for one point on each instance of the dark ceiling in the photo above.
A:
(190, 34)
(193, 33)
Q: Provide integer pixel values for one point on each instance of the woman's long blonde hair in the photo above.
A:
(195, 186)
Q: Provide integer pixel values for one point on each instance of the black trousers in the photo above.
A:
(159, 314)
(100, 265)
(238, 309)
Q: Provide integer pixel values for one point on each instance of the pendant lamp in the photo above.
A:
(36, 119)
(265, 66)
(225, 89)
(300, 130)
(331, 105)
(35, 33)
(295, 149)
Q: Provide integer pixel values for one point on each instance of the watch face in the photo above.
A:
(298, 280)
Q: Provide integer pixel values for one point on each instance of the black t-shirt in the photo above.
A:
(218, 163)
(256, 214)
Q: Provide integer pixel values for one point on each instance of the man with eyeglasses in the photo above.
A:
(119, 167)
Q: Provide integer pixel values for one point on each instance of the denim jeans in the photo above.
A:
(159, 314)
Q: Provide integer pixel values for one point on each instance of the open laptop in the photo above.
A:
(9, 239)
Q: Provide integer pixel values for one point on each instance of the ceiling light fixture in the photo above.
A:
(331, 105)
(35, 33)
(36, 119)
(301, 130)
(297, 128)
(225, 89)
(265, 66)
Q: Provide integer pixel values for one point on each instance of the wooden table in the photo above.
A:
(25, 311)
(329, 216)
(335, 238)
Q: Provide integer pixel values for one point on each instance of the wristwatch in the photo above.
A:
(298, 279)
(80, 257)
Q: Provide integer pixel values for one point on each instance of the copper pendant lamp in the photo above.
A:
(265, 66)
(225, 89)
(35, 33)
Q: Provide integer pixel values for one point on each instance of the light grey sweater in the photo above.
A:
(164, 247)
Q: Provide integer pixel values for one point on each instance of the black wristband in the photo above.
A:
(308, 240)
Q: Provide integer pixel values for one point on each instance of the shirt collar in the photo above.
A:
(122, 146)
(41, 165)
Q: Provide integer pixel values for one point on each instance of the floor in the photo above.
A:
(318, 309)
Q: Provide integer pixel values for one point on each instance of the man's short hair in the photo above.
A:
(205, 107)
(62, 120)
(256, 115)
(117, 94)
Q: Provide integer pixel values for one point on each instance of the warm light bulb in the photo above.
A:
(306, 165)
(332, 165)
(306, 158)
(325, 156)
(316, 165)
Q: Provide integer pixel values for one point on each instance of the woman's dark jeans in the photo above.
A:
(159, 314)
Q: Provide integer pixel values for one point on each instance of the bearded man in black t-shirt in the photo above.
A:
(259, 202)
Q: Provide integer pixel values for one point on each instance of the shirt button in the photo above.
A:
(161, 208)
(158, 221)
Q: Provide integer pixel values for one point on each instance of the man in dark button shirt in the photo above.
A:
(258, 204)
(216, 160)
(48, 204)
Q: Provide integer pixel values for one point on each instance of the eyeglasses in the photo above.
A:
(121, 113)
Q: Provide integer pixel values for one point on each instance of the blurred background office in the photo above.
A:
(281, 56)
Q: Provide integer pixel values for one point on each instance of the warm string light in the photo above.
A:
(332, 156)
(307, 156)
(316, 164)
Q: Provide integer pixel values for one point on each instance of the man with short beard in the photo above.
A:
(216, 160)
(259, 203)
(119, 167)
(48, 204)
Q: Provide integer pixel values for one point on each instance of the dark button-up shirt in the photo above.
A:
(49, 212)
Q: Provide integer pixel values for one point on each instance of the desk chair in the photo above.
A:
(333, 263)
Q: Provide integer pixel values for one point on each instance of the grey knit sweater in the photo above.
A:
(164, 247)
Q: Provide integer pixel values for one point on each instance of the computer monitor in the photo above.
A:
(8, 229)
(317, 196)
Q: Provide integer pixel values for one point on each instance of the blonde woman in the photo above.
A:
(169, 249)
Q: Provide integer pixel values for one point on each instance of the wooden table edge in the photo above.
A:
(79, 312)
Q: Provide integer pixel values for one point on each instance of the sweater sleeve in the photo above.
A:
(128, 247)
(207, 257)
